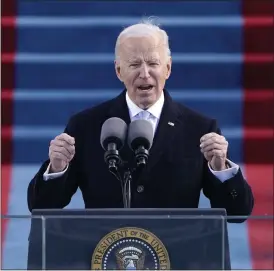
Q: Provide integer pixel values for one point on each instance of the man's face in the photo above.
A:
(143, 67)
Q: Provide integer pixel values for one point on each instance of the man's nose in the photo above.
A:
(144, 72)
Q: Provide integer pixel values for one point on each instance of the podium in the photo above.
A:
(129, 239)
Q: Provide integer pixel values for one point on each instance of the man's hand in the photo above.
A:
(214, 147)
(61, 152)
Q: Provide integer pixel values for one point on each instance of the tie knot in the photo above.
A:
(144, 114)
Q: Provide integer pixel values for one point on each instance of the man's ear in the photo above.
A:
(169, 64)
(118, 70)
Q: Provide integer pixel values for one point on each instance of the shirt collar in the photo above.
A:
(155, 109)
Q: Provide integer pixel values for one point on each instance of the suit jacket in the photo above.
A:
(175, 174)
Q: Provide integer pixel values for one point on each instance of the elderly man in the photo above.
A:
(188, 154)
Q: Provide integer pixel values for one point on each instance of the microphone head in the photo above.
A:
(114, 130)
(140, 133)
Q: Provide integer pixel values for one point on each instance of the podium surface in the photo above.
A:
(129, 239)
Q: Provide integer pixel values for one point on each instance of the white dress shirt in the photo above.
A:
(153, 115)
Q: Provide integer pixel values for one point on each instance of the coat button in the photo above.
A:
(234, 193)
(140, 189)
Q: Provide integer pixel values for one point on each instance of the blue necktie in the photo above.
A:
(144, 115)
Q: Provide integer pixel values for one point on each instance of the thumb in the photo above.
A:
(208, 157)
(58, 165)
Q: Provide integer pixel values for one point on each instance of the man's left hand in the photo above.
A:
(214, 147)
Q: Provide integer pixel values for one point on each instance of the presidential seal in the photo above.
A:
(130, 249)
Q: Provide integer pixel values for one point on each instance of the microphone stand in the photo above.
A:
(125, 181)
(115, 165)
(126, 188)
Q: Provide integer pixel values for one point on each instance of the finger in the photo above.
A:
(65, 137)
(219, 143)
(71, 149)
(65, 152)
(207, 136)
(58, 155)
(64, 144)
(208, 157)
(210, 135)
(55, 154)
(219, 140)
(216, 153)
(62, 150)
(213, 146)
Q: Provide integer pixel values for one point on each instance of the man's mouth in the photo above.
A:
(145, 87)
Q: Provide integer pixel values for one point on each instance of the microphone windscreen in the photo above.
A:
(114, 130)
(140, 133)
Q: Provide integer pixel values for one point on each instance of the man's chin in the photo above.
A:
(146, 102)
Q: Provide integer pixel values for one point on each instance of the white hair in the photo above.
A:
(145, 27)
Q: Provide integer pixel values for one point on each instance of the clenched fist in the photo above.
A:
(61, 152)
(214, 147)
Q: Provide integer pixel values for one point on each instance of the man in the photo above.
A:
(188, 153)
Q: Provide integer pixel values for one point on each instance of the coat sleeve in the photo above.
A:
(57, 192)
(235, 194)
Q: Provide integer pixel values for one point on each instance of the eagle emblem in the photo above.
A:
(130, 258)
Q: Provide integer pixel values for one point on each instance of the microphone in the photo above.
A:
(113, 134)
(140, 137)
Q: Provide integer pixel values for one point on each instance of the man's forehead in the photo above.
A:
(141, 46)
(139, 42)
(152, 38)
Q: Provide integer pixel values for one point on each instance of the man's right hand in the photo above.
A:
(61, 152)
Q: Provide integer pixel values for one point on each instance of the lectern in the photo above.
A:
(129, 239)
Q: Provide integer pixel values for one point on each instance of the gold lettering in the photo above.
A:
(158, 248)
(163, 261)
(105, 243)
(103, 246)
(114, 237)
(154, 242)
(100, 251)
(120, 234)
(97, 262)
(98, 257)
(143, 235)
(162, 255)
(109, 240)
(133, 233)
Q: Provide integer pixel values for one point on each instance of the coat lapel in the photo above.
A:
(166, 129)
(119, 109)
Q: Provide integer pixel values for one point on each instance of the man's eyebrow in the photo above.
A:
(134, 60)
(156, 59)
